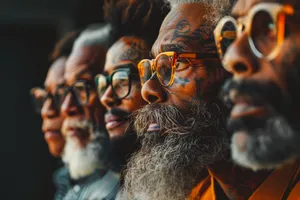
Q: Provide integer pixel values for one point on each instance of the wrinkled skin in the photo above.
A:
(269, 135)
(182, 130)
(83, 64)
(52, 120)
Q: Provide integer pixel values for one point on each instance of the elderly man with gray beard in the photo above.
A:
(184, 142)
(89, 171)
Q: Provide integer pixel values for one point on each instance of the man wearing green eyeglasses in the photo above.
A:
(119, 87)
(260, 46)
(184, 152)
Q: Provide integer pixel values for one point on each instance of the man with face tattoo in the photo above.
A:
(87, 157)
(263, 57)
(184, 142)
(119, 87)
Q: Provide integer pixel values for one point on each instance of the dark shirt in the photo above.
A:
(100, 185)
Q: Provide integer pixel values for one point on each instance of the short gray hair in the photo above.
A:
(96, 34)
(219, 8)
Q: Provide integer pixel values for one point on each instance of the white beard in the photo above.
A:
(81, 161)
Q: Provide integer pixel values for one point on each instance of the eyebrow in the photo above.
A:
(83, 72)
(173, 47)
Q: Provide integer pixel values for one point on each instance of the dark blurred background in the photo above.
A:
(29, 30)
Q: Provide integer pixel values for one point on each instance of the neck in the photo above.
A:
(237, 182)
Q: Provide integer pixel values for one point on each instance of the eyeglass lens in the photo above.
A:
(81, 92)
(39, 96)
(228, 35)
(145, 71)
(164, 68)
(263, 32)
(120, 83)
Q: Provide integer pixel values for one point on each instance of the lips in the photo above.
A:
(153, 127)
(78, 133)
(244, 106)
(52, 135)
(243, 110)
(113, 121)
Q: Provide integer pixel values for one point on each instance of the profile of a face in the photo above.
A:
(263, 59)
(81, 108)
(119, 86)
(182, 129)
(50, 111)
(82, 111)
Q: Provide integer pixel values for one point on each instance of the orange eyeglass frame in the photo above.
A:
(174, 56)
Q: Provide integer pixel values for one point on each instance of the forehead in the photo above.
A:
(86, 60)
(185, 24)
(55, 75)
(126, 50)
(242, 7)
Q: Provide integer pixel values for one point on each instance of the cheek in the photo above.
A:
(94, 111)
(286, 63)
(134, 100)
(194, 82)
(202, 83)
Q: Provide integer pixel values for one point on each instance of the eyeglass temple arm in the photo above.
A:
(198, 55)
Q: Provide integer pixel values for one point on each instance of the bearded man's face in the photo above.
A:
(83, 161)
(182, 130)
(82, 111)
(264, 91)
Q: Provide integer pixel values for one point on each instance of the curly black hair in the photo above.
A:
(141, 18)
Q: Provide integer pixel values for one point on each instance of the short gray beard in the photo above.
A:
(169, 164)
(82, 162)
(269, 147)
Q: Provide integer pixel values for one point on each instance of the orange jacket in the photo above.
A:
(282, 183)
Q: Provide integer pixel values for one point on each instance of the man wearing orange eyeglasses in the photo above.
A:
(183, 132)
(260, 46)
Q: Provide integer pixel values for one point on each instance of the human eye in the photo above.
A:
(181, 64)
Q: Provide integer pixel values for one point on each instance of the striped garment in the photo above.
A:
(98, 186)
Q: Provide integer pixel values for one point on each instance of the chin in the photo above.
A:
(56, 150)
(118, 132)
(274, 144)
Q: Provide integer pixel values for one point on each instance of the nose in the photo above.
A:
(108, 100)
(69, 106)
(239, 59)
(152, 91)
(49, 110)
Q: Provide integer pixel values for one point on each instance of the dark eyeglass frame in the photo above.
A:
(175, 56)
(88, 85)
(49, 95)
(130, 73)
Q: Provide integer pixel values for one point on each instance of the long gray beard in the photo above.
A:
(170, 163)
